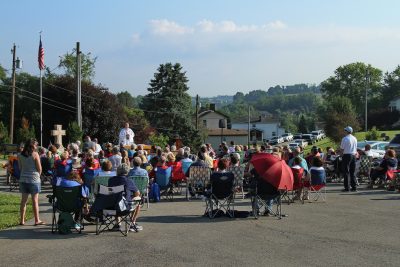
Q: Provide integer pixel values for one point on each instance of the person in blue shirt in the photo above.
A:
(130, 191)
(137, 170)
(303, 163)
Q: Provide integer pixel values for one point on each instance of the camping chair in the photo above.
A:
(163, 179)
(317, 187)
(199, 177)
(47, 172)
(391, 179)
(67, 199)
(94, 187)
(261, 195)
(186, 166)
(111, 208)
(89, 175)
(221, 195)
(14, 175)
(142, 183)
(238, 172)
(177, 176)
(297, 184)
(365, 168)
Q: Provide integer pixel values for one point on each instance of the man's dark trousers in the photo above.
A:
(349, 168)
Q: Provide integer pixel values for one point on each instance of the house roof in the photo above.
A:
(203, 113)
(227, 132)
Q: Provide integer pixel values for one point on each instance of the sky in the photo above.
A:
(225, 46)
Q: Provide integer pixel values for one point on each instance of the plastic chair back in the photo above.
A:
(163, 177)
(68, 198)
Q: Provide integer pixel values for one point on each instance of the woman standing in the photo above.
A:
(29, 182)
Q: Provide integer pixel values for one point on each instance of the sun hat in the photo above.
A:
(348, 129)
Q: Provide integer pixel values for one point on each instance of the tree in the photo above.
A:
(2, 73)
(350, 81)
(4, 138)
(302, 126)
(74, 132)
(138, 123)
(68, 62)
(126, 99)
(25, 132)
(338, 114)
(167, 106)
(391, 88)
(288, 122)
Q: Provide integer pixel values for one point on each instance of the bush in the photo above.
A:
(159, 140)
(372, 134)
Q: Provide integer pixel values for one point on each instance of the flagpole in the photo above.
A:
(41, 110)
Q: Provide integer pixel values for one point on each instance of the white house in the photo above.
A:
(266, 128)
(395, 104)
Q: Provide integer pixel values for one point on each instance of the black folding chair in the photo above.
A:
(67, 199)
(261, 195)
(221, 195)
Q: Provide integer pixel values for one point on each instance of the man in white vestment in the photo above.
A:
(126, 136)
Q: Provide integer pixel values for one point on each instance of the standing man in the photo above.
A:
(349, 150)
(126, 136)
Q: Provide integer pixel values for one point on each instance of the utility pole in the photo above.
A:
(12, 97)
(248, 128)
(366, 99)
(197, 112)
(78, 85)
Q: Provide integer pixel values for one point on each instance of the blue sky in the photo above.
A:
(224, 46)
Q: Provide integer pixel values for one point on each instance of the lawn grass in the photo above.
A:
(9, 210)
(327, 142)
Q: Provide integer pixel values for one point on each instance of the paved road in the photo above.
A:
(350, 229)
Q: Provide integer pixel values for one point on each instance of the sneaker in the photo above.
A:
(345, 190)
(136, 228)
(354, 190)
(77, 226)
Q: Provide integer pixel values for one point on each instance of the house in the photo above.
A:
(210, 119)
(264, 128)
(217, 136)
(395, 104)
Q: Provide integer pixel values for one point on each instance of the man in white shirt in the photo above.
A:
(126, 136)
(349, 150)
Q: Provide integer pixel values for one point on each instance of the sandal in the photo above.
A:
(40, 223)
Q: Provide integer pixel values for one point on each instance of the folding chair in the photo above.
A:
(142, 183)
(105, 209)
(261, 195)
(47, 172)
(67, 199)
(391, 179)
(317, 187)
(163, 179)
(221, 195)
(186, 166)
(238, 172)
(199, 177)
(14, 175)
(178, 176)
(298, 185)
(365, 168)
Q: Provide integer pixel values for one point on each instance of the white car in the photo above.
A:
(276, 140)
(378, 148)
(287, 137)
(301, 142)
(319, 134)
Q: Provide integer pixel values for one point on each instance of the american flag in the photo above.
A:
(41, 55)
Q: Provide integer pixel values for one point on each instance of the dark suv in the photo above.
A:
(395, 144)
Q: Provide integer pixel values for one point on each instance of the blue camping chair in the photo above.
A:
(16, 173)
(163, 179)
(88, 176)
(185, 166)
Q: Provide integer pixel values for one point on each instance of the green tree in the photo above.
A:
(4, 138)
(68, 62)
(167, 106)
(303, 125)
(350, 81)
(138, 123)
(159, 139)
(126, 99)
(288, 122)
(2, 73)
(338, 114)
(25, 132)
(74, 132)
(391, 88)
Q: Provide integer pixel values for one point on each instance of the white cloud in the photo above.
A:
(135, 38)
(206, 25)
(275, 25)
(164, 27)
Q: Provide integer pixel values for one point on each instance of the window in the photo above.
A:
(205, 123)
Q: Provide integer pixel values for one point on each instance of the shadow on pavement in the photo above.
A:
(36, 233)
(183, 219)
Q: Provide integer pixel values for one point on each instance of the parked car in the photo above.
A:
(395, 144)
(319, 134)
(297, 136)
(293, 145)
(301, 142)
(276, 140)
(378, 148)
(311, 139)
(287, 137)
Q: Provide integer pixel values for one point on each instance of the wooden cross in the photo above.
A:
(58, 133)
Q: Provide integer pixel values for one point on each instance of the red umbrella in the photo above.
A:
(262, 161)
(279, 175)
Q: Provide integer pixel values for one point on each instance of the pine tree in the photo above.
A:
(167, 106)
